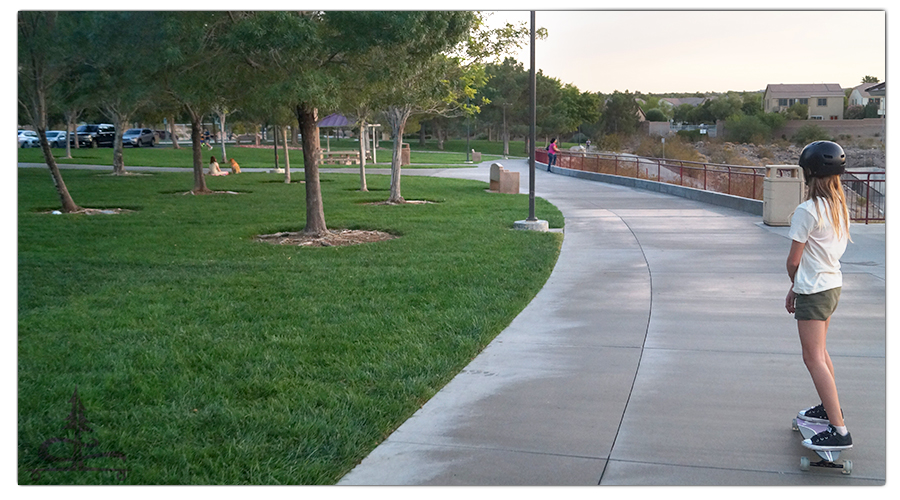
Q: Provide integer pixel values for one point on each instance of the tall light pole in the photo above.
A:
(532, 223)
(532, 79)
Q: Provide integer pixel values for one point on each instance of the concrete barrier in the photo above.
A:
(503, 181)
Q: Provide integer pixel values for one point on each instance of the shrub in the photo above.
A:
(747, 129)
(690, 135)
(676, 148)
(855, 112)
(610, 142)
(810, 133)
(656, 115)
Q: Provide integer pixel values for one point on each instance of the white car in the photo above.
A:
(137, 137)
(28, 139)
(56, 138)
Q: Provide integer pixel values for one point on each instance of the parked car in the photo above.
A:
(56, 138)
(94, 136)
(28, 139)
(137, 137)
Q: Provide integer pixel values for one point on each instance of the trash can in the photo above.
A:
(404, 153)
(782, 192)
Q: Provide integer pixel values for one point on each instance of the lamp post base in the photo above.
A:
(532, 225)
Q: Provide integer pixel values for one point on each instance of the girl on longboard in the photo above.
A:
(819, 232)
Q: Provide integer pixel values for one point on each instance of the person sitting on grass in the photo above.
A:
(214, 167)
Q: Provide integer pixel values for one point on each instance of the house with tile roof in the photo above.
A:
(825, 100)
(863, 93)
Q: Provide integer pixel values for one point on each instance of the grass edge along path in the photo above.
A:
(205, 357)
(247, 156)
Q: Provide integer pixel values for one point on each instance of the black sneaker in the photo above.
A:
(815, 415)
(829, 440)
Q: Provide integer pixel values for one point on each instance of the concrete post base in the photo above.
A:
(532, 225)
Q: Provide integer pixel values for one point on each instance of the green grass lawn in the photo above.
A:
(166, 156)
(206, 357)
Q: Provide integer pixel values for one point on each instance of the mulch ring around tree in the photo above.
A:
(334, 238)
(404, 202)
(210, 192)
(92, 211)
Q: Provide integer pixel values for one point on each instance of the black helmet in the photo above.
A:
(822, 159)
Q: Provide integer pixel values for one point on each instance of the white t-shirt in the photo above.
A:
(820, 266)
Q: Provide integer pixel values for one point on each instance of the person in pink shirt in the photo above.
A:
(552, 151)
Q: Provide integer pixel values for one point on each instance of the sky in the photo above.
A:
(658, 51)
(660, 47)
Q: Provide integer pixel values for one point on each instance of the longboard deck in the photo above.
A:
(808, 430)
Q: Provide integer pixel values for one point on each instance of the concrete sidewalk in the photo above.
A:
(658, 353)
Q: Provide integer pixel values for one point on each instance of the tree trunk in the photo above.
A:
(505, 134)
(422, 135)
(118, 155)
(395, 168)
(275, 143)
(70, 129)
(172, 134)
(222, 117)
(397, 117)
(439, 132)
(199, 178)
(68, 204)
(363, 137)
(307, 117)
(287, 159)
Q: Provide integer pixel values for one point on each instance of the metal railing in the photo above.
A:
(865, 190)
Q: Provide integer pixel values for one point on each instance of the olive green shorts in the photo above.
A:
(817, 306)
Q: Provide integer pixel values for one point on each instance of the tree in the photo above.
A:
(869, 79)
(620, 114)
(118, 59)
(434, 86)
(297, 59)
(418, 78)
(797, 111)
(752, 104)
(192, 61)
(723, 107)
(507, 92)
(221, 109)
(43, 63)
(872, 107)
(579, 107)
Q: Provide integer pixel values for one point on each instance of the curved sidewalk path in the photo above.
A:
(658, 353)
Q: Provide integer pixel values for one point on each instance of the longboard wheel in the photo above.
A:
(848, 467)
(794, 426)
(804, 464)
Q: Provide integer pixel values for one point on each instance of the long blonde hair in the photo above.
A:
(830, 189)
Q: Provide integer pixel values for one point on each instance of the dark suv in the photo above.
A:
(95, 135)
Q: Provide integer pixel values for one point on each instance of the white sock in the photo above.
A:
(842, 430)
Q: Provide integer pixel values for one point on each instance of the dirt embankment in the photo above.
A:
(749, 154)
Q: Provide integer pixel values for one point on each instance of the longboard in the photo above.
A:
(829, 459)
